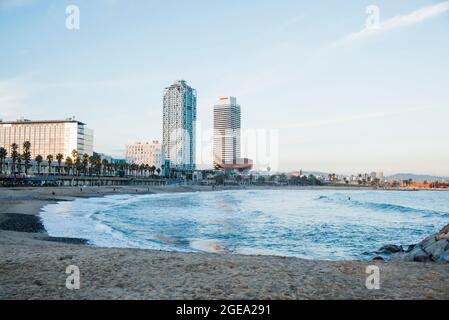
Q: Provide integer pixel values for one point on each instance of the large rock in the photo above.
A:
(433, 248)
(428, 241)
(445, 229)
(442, 236)
(400, 256)
(390, 248)
(377, 258)
(437, 248)
(444, 257)
(418, 254)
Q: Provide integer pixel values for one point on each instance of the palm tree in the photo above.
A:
(14, 156)
(77, 165)
(39, 160)
(75, 160)
(85, 162)
(283, 178)
(115, 168)
(3, 154)
(153, 169)
(19, 162)
(59, 158)
(26, 155)
(147, 170)
(68, 164)
(134, 167)
(139, 169)
(105, 164)
(95, 162)
(49, 160)
(127, 169)
(74, 153)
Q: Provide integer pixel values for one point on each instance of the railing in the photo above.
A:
(73, 180)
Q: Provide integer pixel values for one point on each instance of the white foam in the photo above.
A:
(207, 246)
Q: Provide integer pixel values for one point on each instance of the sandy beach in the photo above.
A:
(32, 264)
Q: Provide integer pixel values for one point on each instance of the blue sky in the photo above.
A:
(342, 99)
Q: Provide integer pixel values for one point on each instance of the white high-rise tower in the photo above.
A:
(227, 126)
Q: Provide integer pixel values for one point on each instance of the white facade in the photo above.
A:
(227, 127)
(47, 137)
(179, 120)
(144, 153)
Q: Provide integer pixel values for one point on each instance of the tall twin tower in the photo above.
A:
(179, 132)
(178, 126)
(227, 126)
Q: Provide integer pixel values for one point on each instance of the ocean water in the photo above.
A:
(311, 224)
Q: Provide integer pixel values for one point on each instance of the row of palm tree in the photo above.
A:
(16, 157)
(74, 164)
(25, 157)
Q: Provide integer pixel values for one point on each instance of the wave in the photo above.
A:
(399, 208)
(211, 246)
(384, 206)
(101, 227)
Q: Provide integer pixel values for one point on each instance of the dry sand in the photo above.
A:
(32, 265)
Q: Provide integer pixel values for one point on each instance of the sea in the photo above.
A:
(311, 224)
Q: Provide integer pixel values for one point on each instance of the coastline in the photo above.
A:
(32, 264)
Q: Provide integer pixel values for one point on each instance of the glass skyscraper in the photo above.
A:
(179, 120)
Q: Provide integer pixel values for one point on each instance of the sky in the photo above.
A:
(332, 93)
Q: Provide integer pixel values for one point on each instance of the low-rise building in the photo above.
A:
(47, 137)
(148, 153)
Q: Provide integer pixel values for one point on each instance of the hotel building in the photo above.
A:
(47, 137)
(226, 131)
(227, 135)
(179, 118)
(144, 153)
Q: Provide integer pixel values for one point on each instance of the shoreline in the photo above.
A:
(32, 263)
(28, 220)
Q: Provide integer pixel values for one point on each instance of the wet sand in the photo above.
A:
(32, 264)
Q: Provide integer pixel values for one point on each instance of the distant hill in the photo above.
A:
(415, 177)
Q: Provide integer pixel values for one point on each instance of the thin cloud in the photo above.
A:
(396, 22)
(357, 117)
